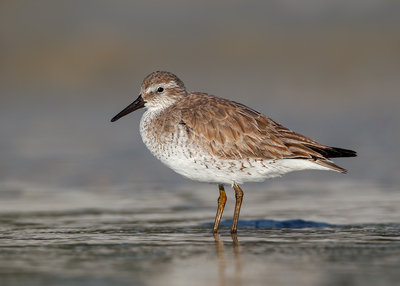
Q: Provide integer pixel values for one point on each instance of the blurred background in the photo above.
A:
(328, 69)
(83, 202)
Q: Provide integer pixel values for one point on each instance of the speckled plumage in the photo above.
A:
(215, 140)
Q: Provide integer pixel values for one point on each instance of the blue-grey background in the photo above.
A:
(327, 69)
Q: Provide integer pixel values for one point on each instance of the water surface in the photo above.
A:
(158, 237)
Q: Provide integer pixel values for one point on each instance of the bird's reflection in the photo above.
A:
(222, 262)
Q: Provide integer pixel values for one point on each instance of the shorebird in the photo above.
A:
(214, 140)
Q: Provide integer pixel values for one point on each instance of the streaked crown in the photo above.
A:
(161, 89)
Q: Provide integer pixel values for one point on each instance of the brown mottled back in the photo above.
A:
(234, 131)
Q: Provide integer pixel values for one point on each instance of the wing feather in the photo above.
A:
(232, 130)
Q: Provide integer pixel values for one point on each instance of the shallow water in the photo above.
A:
(159, 237)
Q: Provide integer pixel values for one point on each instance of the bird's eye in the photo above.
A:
(160, 89)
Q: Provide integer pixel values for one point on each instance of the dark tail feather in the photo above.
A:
(333, 152)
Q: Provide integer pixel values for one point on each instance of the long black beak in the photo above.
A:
(137, 104)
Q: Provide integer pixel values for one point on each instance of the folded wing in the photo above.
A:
(234, 131)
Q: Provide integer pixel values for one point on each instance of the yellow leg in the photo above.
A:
(221, 206)
(239, 199)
